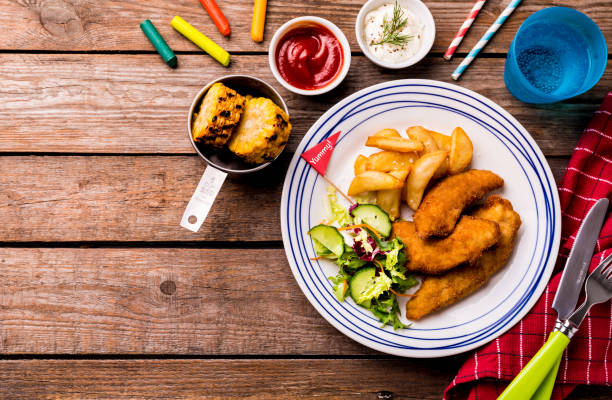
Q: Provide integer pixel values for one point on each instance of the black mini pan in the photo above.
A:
(222, 162)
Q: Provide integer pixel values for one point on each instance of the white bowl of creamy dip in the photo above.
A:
(395, 33)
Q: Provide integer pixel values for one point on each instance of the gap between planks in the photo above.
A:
(111, 244)
(195, 53)
(170, 356)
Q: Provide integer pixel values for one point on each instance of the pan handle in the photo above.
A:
(203, 198)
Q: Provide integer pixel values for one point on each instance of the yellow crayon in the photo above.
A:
(200, 40)
(259, 20)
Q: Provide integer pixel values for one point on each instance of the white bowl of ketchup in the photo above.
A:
(309, 55)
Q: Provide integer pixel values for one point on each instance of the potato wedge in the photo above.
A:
(422, 172)
(390, 200)
(443, 141)
(361, 164)
(442, 170)
(388, 132)
(373, 180)
(422, 135)
(386, 161)
(461, 151)
(400, 145)
(401, 174)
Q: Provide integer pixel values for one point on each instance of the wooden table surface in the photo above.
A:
(103, 294)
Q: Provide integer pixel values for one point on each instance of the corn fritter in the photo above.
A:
(219, 115)
(262, 132)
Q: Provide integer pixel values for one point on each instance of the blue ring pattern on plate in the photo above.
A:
(549, 213)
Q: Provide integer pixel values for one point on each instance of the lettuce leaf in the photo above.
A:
(386, 309)
(338, 282)
(349, 261)
(395, 264)
(395, 259)
(338, 212)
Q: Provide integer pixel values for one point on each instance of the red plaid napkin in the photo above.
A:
(588, 359)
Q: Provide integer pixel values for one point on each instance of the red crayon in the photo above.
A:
(217, 16)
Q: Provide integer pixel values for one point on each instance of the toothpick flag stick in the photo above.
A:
(338, 189)
(318, 157)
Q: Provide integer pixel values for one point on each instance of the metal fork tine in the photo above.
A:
(598, 289)
(607, 269)
(608, 273)
(608, 282)
(604, 265)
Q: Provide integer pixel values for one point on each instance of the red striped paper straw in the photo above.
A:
(464, 28)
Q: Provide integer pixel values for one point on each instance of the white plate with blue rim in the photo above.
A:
(501, 145)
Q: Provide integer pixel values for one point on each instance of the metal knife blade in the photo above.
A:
(578, 261)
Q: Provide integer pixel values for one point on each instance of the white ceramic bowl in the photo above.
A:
(419, 9)
(305, 21)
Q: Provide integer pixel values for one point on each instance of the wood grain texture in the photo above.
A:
(113, 25)
(130, 199)
(135, 198)
(159, 301)
(253, 379)
(134, 104)
(221, 302)
(406, 379)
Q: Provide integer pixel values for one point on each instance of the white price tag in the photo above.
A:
(203, 198)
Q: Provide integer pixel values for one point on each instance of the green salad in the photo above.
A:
(371, 265)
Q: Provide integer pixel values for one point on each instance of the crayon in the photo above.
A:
(197, 37)
(217, 16)
(159, 43)
(259, 20)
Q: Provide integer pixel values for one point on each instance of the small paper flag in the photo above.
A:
(318, 156)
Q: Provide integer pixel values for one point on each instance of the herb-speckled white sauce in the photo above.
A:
(391, 53)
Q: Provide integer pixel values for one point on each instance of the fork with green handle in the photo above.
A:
(571, 282)
(598, 289)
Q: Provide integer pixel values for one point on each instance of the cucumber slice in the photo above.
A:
(360, 281)
(374, 216)
(320, 249)
(328, 237)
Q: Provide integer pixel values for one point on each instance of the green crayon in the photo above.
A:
(158, 41)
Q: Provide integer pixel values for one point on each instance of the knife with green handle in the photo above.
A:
(539, 384)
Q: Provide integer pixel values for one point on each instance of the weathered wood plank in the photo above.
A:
(258, 378)
(130, 199)
(137, 198)
(253, 379)
(113, 25)
(159, 301)
(134, 104)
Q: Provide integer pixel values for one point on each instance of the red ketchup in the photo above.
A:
(309, 57)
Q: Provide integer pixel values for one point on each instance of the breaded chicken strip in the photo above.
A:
(443, 204)
(470, 238)
(440, 291)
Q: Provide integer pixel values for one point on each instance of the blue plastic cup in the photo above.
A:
(557, 53)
